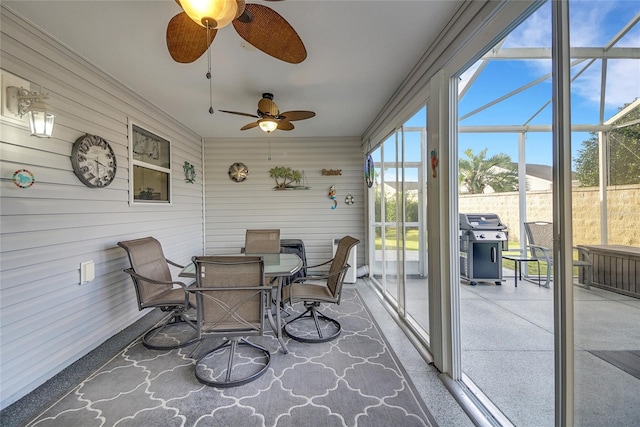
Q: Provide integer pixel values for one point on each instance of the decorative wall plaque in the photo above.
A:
(331, 172)
(238, 172)
(23, 178)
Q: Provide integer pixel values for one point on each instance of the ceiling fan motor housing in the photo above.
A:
(266, 106)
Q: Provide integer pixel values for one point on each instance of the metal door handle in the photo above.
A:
(493, 254)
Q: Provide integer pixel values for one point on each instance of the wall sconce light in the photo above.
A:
(268, 125)
(20, 102)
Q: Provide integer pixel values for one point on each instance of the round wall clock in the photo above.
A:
(93, 161)
(238, 172)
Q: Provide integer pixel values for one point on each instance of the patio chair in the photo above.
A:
(230, 294)
(262, 241)
(155, 288)
(315, 289)
(540, 236)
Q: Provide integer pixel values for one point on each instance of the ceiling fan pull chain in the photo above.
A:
(209, 71)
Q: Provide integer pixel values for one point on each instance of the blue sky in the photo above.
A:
(593, 24)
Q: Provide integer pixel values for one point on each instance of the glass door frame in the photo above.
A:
(397, 301)
(445, 310)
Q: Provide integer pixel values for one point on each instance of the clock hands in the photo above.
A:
(101, 169)
(98, 168)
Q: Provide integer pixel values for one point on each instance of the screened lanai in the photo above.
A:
(605, 108)
(504, 106)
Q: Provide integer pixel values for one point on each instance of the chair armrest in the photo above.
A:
(174, 263)
(583, 254)
(152, 281)
(548, 256)
(318, 276)
(317, 265)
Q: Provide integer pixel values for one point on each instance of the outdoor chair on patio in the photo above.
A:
(155, 287)
(314, 289)
(262, 241)
(231, 296)
(540, 236)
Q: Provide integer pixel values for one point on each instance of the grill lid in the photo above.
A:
(481, 221)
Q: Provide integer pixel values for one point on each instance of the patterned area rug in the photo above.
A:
(354, 380)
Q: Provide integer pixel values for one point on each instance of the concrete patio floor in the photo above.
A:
(508, 349)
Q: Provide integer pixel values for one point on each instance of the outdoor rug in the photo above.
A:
(628, 361)
(354, 380)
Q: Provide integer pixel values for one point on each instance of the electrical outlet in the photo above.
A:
(87, 272)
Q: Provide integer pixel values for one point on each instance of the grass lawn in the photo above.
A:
(390, 241)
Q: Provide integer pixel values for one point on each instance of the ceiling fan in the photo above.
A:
(190, 32)
(270, 118)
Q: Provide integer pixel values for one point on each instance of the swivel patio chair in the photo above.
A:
(155, 288)
(231, 295)
(313, 290)
(262, 241)
(540, 237)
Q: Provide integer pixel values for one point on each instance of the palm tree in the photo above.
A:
(476, 173)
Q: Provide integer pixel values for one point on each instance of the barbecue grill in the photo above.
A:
(482, 238)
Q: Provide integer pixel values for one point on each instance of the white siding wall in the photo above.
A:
(233, 207)
(48, 320)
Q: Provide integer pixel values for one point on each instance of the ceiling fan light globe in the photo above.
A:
(268, 125)
(212, 13)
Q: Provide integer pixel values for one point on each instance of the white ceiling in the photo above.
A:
(359, 52)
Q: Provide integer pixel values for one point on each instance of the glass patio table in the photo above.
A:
(518, 260)
(276, 266)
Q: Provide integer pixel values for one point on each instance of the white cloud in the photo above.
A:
(592, 24)
(535, 31)
(623, 82)
(588, 22)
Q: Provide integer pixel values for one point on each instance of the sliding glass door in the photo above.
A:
(384, 228)
(516, 351)
(398, 230)
(415, 220)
